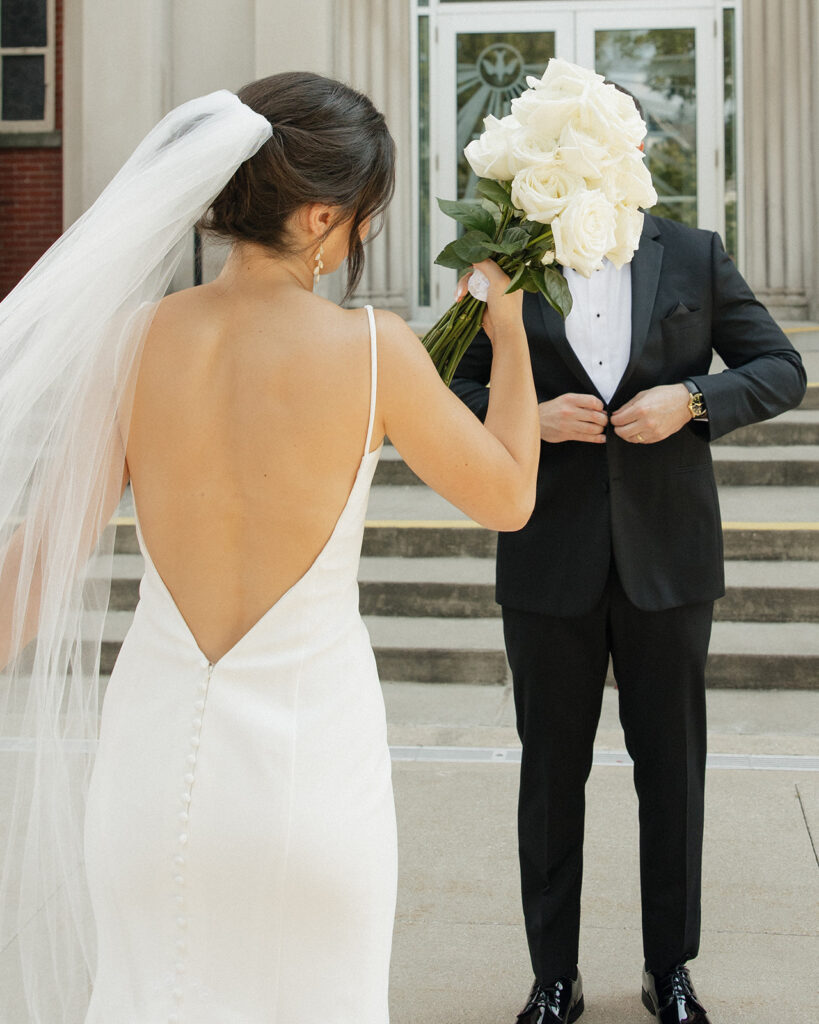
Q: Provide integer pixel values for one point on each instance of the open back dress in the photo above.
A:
(240, 833)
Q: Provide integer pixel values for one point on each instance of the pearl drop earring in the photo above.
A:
(319, 266)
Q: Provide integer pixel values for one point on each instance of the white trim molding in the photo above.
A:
(47, 52)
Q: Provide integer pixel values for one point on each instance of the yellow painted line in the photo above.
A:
(469, 524)
(425, 524)
(770, 526)
(814, 329)
(417, 524)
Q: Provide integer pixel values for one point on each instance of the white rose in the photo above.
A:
(611, 117)
(585, 232)
(492, 154)
(531, 148)
(632, 126)
(582, 154)
(627, 231)
(629, 181)
(543, 191)
(548, 258)
(561, 77)
(546, 115)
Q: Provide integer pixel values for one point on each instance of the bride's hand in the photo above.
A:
(502, 311)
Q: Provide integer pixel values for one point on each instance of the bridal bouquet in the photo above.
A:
(561, 181)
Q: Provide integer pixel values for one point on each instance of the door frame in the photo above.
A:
(710, 143)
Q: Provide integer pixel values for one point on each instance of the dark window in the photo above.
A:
(23, 23)
(23, 88)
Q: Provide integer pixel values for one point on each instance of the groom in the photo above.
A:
(622, 558)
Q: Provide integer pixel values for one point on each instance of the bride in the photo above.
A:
(238, 864)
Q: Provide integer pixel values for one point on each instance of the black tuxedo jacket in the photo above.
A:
(652, 507)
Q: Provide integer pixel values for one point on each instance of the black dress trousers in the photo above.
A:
(559, 668)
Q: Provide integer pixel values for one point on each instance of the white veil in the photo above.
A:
(70, 338)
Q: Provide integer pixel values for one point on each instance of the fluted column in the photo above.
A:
(116, 87)
(372, 53)
(781, 83)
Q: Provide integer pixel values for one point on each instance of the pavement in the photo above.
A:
(459, 952)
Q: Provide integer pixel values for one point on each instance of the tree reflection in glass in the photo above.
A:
(659, 67)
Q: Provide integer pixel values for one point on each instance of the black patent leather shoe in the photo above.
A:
(672, 999)
(560, 1003)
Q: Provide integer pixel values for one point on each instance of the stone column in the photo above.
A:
(372, 53)
(781, 105)
(116, 85)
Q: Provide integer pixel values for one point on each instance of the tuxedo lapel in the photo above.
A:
(554, 328)
(645, 277)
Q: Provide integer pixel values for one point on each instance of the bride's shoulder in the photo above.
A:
(177, 308)
(394, 333)
(399, 345)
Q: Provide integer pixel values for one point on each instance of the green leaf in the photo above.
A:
(469, 212)
(474, 246)
(494, 191)
(514, 241)
(532, 281)
(532, 228)
(517, 282)
(553, 285)
(447, 257)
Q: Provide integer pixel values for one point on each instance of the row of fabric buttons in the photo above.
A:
(180, 854)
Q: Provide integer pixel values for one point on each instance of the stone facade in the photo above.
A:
(127, 64)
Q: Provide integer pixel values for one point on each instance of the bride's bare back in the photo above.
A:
(248, 428)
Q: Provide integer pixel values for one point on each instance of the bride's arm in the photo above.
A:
(21, 564)
(488, 470)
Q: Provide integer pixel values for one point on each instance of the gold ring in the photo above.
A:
(640, 437)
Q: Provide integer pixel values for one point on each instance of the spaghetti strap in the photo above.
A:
(373, 377)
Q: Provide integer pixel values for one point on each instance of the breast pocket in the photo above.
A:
(683, 324)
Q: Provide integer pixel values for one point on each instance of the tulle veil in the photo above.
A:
(70, 339)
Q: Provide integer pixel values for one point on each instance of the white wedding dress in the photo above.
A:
(240, 832)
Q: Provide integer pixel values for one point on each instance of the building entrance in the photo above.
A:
(473, 58)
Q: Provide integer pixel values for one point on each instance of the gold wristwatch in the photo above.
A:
(696, 403)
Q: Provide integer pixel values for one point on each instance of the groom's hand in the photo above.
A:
(653, 415)
(573, 418)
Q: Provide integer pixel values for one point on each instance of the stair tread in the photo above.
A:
(780, 638)
(468, 570)
(794, 416)
(427, 570)
(790, 638)
(802, 575)
(766, 453)
(399, 502)
(721, 453)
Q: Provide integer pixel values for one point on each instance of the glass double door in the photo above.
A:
(670, 60)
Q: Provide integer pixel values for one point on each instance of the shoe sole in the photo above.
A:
(576, 1012)
(648, 1004)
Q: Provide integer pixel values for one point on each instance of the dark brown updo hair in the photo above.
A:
(329, 145)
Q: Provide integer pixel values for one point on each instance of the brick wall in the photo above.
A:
(31, 186)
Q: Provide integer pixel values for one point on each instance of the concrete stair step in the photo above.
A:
(770, 592)
(465, 588)
(743, 655)
(811, 399)
(465, 539)
(800, 426)
(734, 465)
(767, 465)
(763, 655)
